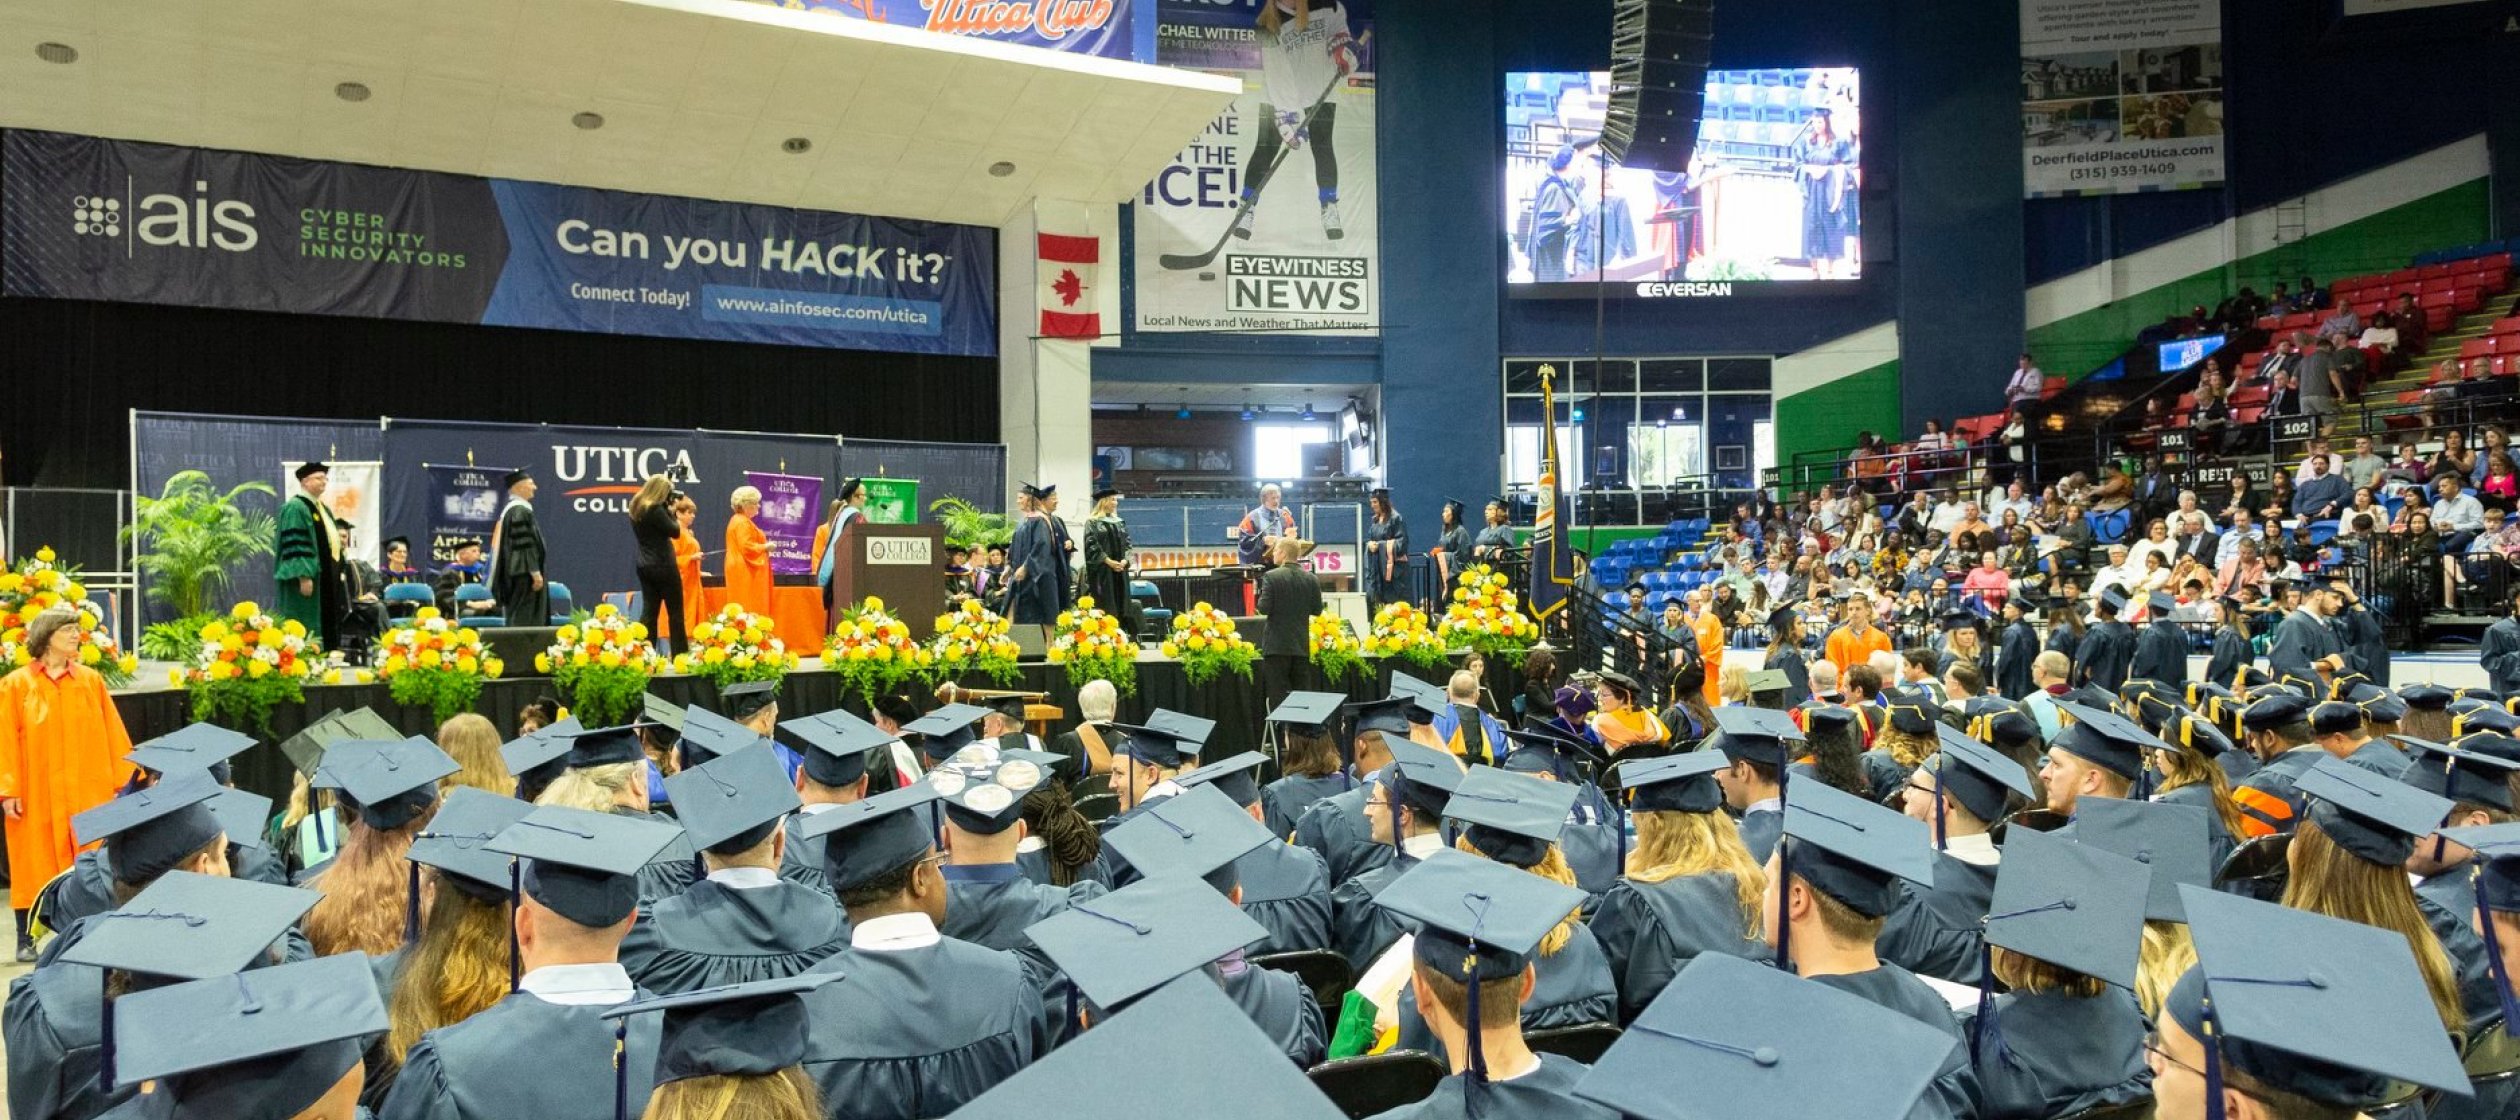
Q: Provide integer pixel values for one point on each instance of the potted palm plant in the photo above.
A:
(969, 526)
(188, 538)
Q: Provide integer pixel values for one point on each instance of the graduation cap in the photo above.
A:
(242, 815)
(1545, 749)
(2379, 705)
(2113, 599)
(1730, 1030)
(2174, 842)
(2470, 776)
(1829, 719)
(313, 467)
(266, 1043)
(1510, 818)
(582, 865)
(1766, 681)
(867, 840)
(986, 796)
(1975, 775)
(457, 842)
(1190, 835)
(1383, 715)
(537, 757)
(2105, 739)
(1911, 710)
(1678, 783)
(1999, 722)
(1756, 734)
(2481, 718)
(2160, 604)
(743, 698)
(1155, 747)
(946, 730)
(1851, 849)
(1316, 712)
(1180, 725)
(1618, 680)
(1781, 620)
(192, 927)
(705, 735)
(1477, 921)
(509, 480)
(731, 803)
(658, 712)
(391, 783)
(1959, 619)
(2193, 731)
(1038, 492)
(2075, 906)
(2315, 1006)
(2335, 717)
(305, 750)
(1242, 1072)
(730, 1030)
(1124, 944)
(2146, 700)
(148, 831)
(835, 744)
(592, 747)
(2270, 711)
(1427, 700)
(1420, 777)
(200, 746)
(2375, 817)
(1237, 777)
(2426, 697)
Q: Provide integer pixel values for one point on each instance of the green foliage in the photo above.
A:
(968, 526)
(1338, 665)
(447, 691)
(190, 535)
(1120, 671)
(602, 696)
(177, 640)
(244, 702)
(1202, 666)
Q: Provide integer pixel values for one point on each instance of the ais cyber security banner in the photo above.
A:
(1122, 29)
(459, 504)
(1304, 257)
(87, 218)
(2120, 96)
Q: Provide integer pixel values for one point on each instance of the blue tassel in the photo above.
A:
(411, 907)
(516, 896)
(1986, 1036)
(2213, 1063)
(105, 1050)
(1784, 897)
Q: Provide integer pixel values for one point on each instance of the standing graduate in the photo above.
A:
(922, 1023)
(1939, 930)
(1038, 577)
(989, 901)
(1386, 550)
(578, 897)
(2015, 649)
(1405, 804)
(2307, 653)
(1785, 653)
(747, 552)
(517, 557)
(1451, 554)
(1310, 764)
(2499, 655)
(1690, 886)
(314, 582)
(1284, 888)
(742, 922)
(2232, 653)
(2358, 631)
(2064, 937)
(833, 540)
(2161, 651)
(2108, 648)
(1107, 555)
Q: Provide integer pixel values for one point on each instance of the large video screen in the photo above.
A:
(1768, 196)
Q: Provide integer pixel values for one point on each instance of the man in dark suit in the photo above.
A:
(1289, 598)
(2197, 538)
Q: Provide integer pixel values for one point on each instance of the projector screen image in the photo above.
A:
(1770, 193)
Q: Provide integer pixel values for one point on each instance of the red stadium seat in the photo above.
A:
(2469, 301)
(2474, 348)
(2438, 284)
(2247, 414)
(2269, 322)
(2052, 386)
(2496, 260)
(2506, 326)
(2254, 393)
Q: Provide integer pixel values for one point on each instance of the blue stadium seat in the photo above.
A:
(411, 595)
(561, 602)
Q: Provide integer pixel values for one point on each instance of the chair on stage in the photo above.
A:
(474, 593)
(1377, 1083)
(561, 602)
(403, 600)
(1154, 619)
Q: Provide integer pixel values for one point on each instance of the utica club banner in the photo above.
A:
(88, 218)
(1122, 29)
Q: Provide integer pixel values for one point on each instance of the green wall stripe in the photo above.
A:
(1832, 415)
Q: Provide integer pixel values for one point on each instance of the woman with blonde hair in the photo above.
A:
(2348, 860)
(1905, 741)
(2192, 774)
(393, 788)
(1733, 684)
(733, 1053)
(1691, 885)
(473, 743)
(606, 772)
(747, 553)
(457, 965)
(2065, 1037)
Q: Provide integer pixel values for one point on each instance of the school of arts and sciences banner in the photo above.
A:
(2120, 96)
(1301, 268)
(791, 509)
(87, 218)
(1122, 29)
(459, 504)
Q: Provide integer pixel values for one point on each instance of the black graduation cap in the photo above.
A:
(148, 831)
(2174, 843)
(1189, 835)
(2105, 739)
(1242, 1072)
(1037, 492)
(1756, 734)
(316, 466)
(731, 803)
(706, 735)
(2271, 711)
(2076, 906)
(986, 796)
(2315, 1006)
(743, 698)
(242, 815)
(1826, 719)
(266, 1043)
(663, 714)
(866, 840)
(1237, 777)
(835, 744)
(1959, 620)
(583, 865)
(2195, 732)
(201, 746)
(1385, 715)
(390, 782)
(1678, 783)
(1510, 818)
(2484, 718)
(1998, 722)
(947, 729)
(592, 747)
(1974, 774)
(1727, 1029)
(1317, 712)
(457, 841)
(191, 927)
(2469, 776)
(1154, 746)
(1782, 618)
(2335, 717)
(1911, 710)
(2146, 700)
(1126, 943)
(305, 749)
(2426, 697)
(1546, 749)
(729, 1030)
(1851, 849)
(2375, 817)
(2378, 704)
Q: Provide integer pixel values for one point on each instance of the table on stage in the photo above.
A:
(797, 608)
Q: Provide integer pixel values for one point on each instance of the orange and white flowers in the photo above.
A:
(735, 646)
(35, 585)
(248, 663)
(603, 663)
(1335, 649)
(871, 650)
(1405, 632)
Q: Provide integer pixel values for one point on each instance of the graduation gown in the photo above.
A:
(1797, 675)
(2267, 800)
(1105, 538)
(747, 564)
(803, 862)
(516, 556)
(2062, 1054)
(1591, 847)
(990, 906)
(2366, 650)
(1650, 931)
(2015, 649)
(2106, 653)
(713, 934)
(1759, 830)
(1882, 773)
(2232, 656)
(1280, 1005)
(919, 1032)
(1546, 1093)
(1568, 989)
(1954, 1092)
(1359, 929)
(1939, 931)
(2062, 640)
(2499, 656)
(1039, 551)
(1336, 829)
(2218, 840)
(1287, 890)
(1282, 802)
(2377, 756)
(525, 1056)
(2301, 639)
(672, 870)
(88, 888)
(306, 547)
(1385, 566)
(2161, 654)
(61, 753)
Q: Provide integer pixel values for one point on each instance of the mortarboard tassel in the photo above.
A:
(1942, 842)
(1986, 1036)
(105, 1048)
(411, 905)
(516, 897)
(621, 1069)
(1478, 904)
(2213, 1061)
(1784, 894)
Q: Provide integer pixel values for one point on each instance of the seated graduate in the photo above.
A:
(88, 886)
(1959, 793)
(2268, 1026)
(1426, 701)
(742, 922)
(457, 966)
(537, 758)
(1142, 768)
(923, 1022)
(1835, 874)
(2275, 729)
(2096, 756)
(1595, 838)
(1406, 808)
(661, 736)
(578, 896)
(732, 1050)
(1515, 820)
(606, 772)
(1832, 750)
(947, 730)
(1479, 921)
(1004, 726)
(2171, 841)
(1187, 848)
(1308, 758)
(2479, 786)
(169, 855)
(1907, 739)
(2063, 938)
(832, 773)
(212, 1047)
(989, 900)
(1753, 777)
(1691, 887)
(2189, 762)
(1284, 888)
(393, 788)
(468, 567)
(2340, 729)
(1746, 1039)
(1335, 827)
(1060, 848)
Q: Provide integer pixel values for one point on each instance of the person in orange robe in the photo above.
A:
(1710, 643)
(61, 754)
(687, 559)
(747, 554)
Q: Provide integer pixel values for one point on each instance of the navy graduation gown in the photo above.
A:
(2301, 639)
(524, 1057)
(990, 906)
(2063, 1054)
(919, 1032)
(2231, 656)
(1282, 802)
(2499, 656)
(2478, 999)
(1650, 931)
(2268, 794)
(1953, 1094)
(1882, 774)
(2377, 756)
(803, 862)
(2161, 654)
(1336, 828)
(1287, 890)
(2237, 766)
(674, 869)
(1035, 864)
(1280, 1005)
(2106, 653)
(2366, 650)
(1591, 848)
(1568, 989)
(1938, 931)
(2218, 840)
(714, 934)
(1545, 1093)
(1759, 829)
(1360, 930)
(1797, 675)
(1040, 550)
(2015, 650)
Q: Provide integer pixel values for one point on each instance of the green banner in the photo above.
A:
(892, 501)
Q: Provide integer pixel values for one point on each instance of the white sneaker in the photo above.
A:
(1330, 224)
(1242, 222)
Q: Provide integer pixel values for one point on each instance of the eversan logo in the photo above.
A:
(170, 221)
(94, 216)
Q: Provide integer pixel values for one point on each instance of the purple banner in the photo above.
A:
(791, 509)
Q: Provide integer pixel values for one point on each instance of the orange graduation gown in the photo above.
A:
(747, 564)
(61, 750)
(687, 562)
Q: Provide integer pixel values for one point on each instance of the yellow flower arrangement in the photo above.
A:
(871, 651)
(973, 639)
(1403, 631)
(1335, 650)
(247, 664)
(603, 663)
(436, 662)
(1204, 641)
(734, 647)
(35, 585)
(1094, 646)
(1486, 615)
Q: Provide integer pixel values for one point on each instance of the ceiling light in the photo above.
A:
(1247, 413)
(588, 121)
(1308, 412)
(1001, 169)
(351, 91)
(796, 145)
(59, 54)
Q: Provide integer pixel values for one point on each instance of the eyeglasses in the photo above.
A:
(2161, 1058)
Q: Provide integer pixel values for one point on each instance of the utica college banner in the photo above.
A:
(87, 218)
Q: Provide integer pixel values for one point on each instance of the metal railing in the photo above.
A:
(84, 530)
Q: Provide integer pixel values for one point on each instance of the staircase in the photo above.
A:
(2396, 393)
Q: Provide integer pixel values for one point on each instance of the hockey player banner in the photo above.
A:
(1266, 222)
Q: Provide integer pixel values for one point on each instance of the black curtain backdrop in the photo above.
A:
(77, 368)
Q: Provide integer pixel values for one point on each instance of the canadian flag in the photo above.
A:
(1066, 272)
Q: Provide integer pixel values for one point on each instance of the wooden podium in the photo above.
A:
(904, 565)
